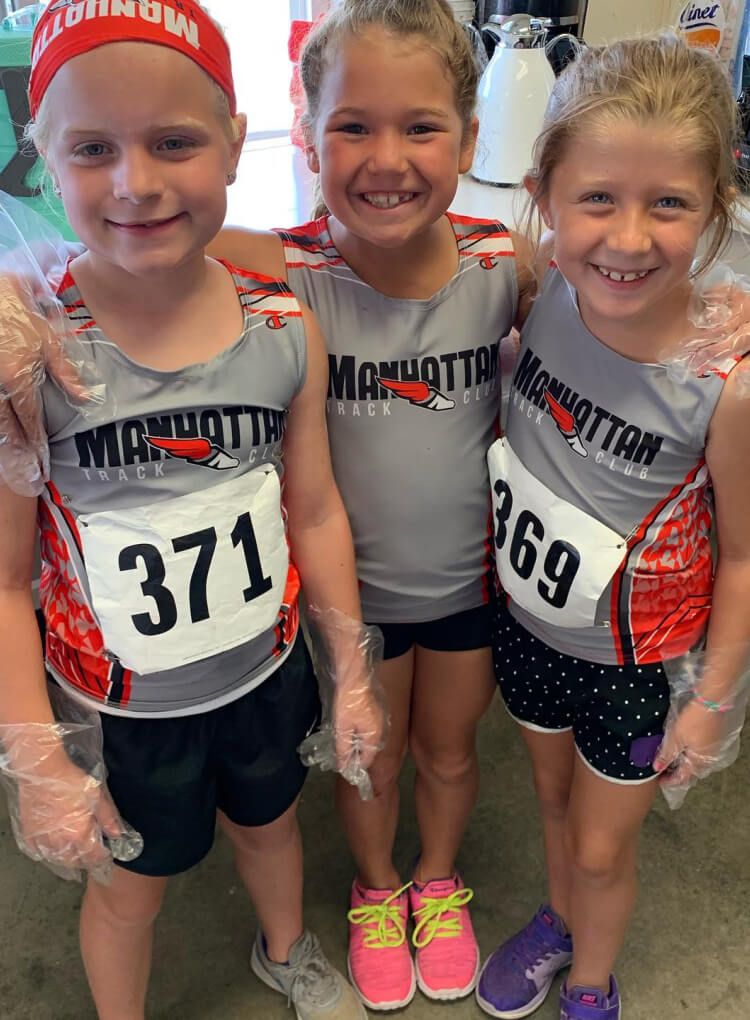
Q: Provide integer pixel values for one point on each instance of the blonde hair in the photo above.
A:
(649, 79)
(432, 20)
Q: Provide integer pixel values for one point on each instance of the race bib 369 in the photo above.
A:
(553, 559)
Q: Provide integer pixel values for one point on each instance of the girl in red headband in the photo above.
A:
(169, 594)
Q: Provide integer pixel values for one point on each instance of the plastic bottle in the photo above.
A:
(720, 24)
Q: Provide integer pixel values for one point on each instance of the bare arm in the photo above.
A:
(59, 812)
(23, 694)
(728, 457)
(319, 533)
(258, 250)
(322, 550)
(526, 276)
(532, 264)
(702, 737)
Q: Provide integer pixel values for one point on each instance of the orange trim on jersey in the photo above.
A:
(296, 239)
(317, 227)
(69, 518)
(487, 254)
(474, 221)
(127, 686)
(269, 313)
(722, 373)
(309, 243)
(695, 608)
(251, 275)
(614, 613)
(67, 280)
(318, 265)
(633, 541)
(288, 618)
(275, 293)
(65, 661)
(89, 674)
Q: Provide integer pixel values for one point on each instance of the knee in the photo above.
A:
(386, 767)
(597, 857)
(448, 765)
(125, 907)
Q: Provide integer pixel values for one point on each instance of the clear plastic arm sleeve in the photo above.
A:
(35, 339)
(719, 312)
(355, 722)
(60, 809)
(702, 731)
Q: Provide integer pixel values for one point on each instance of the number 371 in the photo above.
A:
(204, 541)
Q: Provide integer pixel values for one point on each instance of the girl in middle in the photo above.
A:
(413, 302)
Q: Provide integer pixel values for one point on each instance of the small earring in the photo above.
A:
(231, 177)
(56, 189)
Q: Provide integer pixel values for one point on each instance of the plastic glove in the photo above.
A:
(355, 721)
(60, 809)
(35, 338)
(719, 309)
(699, 738)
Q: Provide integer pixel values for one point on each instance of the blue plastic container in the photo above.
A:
(21, 169)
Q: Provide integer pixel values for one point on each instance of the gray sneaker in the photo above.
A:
(315, 988)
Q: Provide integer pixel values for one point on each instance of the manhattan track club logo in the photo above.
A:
(198, 451)
(420, 394)
(566, 425)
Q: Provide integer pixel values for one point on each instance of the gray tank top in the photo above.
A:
(166, 584)
(605, 550)
(413, 405)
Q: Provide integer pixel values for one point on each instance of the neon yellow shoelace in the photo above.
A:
(388, 929)
(432, 922)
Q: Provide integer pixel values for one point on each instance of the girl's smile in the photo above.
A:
(388, 199)
(628, 209)
(389, 142)
(623, 276)
(149, 226)
(144, 193)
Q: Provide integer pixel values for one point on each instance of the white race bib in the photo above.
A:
(189, 577)
(553, 559)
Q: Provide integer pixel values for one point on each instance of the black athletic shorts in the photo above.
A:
(461, 632)
(168, 776)
(616, 713)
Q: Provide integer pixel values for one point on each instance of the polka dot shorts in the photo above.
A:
(608, 708)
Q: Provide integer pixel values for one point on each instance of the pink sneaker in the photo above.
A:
(447, 951)
(380, 964)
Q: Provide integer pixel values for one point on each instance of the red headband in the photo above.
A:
(68, 28)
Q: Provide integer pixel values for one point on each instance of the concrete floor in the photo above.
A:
(685, 957)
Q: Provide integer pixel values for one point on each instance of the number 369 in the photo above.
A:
(561, 561)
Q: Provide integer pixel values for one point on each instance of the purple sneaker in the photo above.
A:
(517, 976)
(581, 1003)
